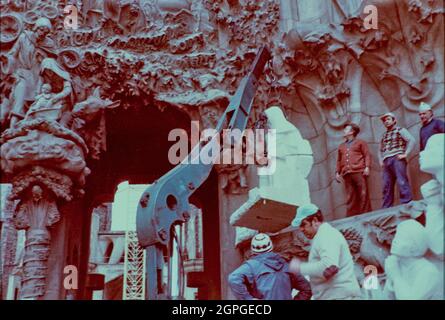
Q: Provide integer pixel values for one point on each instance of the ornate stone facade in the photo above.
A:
(59, 83)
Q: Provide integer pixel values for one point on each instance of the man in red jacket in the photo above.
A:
(353, 165)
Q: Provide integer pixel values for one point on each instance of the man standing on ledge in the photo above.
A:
(430, 125)
(395, 146)
(330, 265)
(353, 164)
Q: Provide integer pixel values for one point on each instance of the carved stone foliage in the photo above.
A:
(137, 52)
(59, 184)
(317, 64)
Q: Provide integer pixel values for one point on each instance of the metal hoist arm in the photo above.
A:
(165, 203)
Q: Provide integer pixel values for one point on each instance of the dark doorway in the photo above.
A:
(137, 152)
(206, 198)
(137, 147)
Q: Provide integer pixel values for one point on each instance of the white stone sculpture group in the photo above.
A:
(415, 268)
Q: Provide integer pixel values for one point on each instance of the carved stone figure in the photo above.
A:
(193, 245)
(289, 161)
(45, 106)
(431, 158)
(434, 219)
(89, 121)
(60, 82)
(92, 12)
(23, 61)
(209, 116)
(372, 250)
(410, 275)
(282, 181)
(431, 161)
(202, 17)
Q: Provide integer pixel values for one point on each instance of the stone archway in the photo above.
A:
(137, 151)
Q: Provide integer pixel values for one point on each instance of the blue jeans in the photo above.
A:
(395, 170)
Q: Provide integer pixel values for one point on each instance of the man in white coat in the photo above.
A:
(330, 265)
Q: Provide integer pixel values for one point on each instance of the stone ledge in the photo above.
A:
(290, 241)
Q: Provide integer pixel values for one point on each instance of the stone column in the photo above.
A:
(46, 164)
(37, 213)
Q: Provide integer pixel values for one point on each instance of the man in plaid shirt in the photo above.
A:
(395, 146)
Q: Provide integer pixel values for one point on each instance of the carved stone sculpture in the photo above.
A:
(45, 105)
(282, 182)
(23, 61)
(289, 161)
(36, 214)
(60, 81)
(89, 121)
(41, 147)
(434, 222)
(409, 274)
(412, 272)
(44, 159)
(431, 160)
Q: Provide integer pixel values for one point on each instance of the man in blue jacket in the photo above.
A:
(266, 275)
(430, 125)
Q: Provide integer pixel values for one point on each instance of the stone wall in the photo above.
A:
(345, 72)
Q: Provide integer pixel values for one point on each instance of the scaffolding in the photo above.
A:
(134, 268)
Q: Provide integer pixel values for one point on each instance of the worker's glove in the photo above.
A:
(330, 271)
